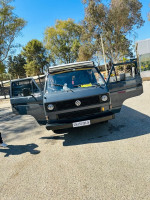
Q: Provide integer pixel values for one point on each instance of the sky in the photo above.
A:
(40, 14)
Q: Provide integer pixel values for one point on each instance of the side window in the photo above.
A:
(113, 76)
(19, 86)
(40, 82)
(123, 72)
(34, 88)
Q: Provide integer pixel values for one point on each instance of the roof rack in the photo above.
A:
(68, 67)
(23, 79)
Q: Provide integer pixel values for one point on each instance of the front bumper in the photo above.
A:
(65, 125)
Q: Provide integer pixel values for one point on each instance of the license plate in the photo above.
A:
(82, 123)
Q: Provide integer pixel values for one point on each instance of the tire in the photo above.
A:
(105, 122)
(60, 131)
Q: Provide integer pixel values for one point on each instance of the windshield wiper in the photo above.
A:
(68, 89)
(76, 85)
(58, 85)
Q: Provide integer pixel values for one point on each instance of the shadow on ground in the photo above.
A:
(17, 126)
(19, 149)
(128, 123)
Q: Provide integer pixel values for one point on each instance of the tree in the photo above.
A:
(112, 23)
(86, 51)
(10, 27)
(16, 65)
(36, 58)
(63, 40)
(2, 68)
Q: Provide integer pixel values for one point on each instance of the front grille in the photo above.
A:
(80, 113)
(71, 103)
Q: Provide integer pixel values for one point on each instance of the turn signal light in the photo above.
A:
(102, 109)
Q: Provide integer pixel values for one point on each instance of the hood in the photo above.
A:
(76, 94)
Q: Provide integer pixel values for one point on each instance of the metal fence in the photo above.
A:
(4, 89)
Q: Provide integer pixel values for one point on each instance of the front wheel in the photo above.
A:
(60, 131)
(105, 122)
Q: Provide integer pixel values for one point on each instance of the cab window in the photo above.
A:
(19, 86)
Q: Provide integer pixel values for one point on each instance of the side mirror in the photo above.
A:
(26, 92)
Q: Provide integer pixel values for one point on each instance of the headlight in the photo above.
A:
(104, 98)
(50, 107)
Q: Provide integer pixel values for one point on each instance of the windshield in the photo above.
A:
(74, 79)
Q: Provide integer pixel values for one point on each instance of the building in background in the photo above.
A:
(143, 55)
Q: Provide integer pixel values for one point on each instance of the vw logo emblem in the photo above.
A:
(78, 103)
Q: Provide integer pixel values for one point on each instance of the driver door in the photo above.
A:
(124, 82)
(29, 102)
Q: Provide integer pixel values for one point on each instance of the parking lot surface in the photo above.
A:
(109, 161)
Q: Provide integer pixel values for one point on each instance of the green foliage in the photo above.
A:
(86, 51)
(113, 22)
(2, 68)
(15, 66)
(5, 77)
(145, 65)
(63, 41)
(36, 58)
(10, 27)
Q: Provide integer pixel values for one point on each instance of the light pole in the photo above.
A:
(104, 55)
